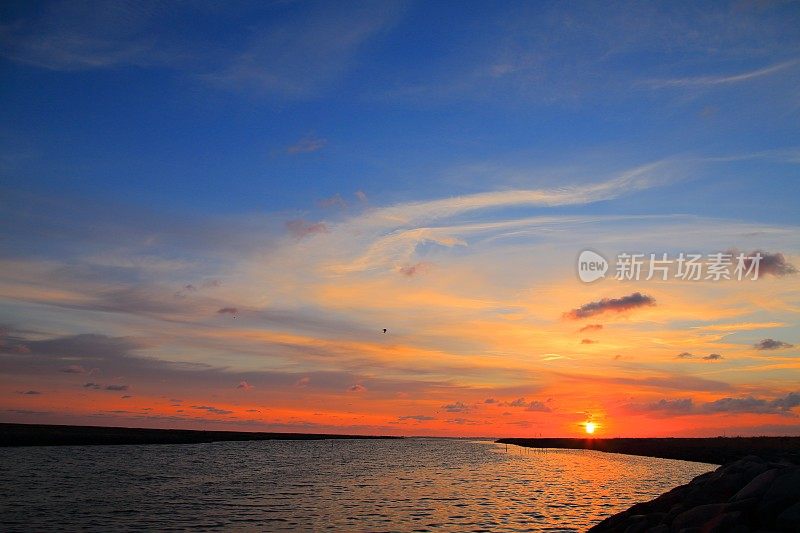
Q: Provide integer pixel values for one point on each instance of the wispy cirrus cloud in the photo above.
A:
(300, 228)
(307, 54)
(281, 52)
(537, 55)
(307, 145)
(739, 326)
(700, 81)
(392, 233)
(84, 35)
(643, 177)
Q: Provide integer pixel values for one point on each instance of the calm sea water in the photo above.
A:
(352, 485)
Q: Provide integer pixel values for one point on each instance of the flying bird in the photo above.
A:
(384, 330)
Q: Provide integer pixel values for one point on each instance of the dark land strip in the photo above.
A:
(714, 450)
(56, 435)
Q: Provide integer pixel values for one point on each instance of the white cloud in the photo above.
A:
(721, 80)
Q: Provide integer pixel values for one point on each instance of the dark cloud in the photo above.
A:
(773, 264)
(753, 405)
(300, 228)
(668, 381)
(244, 385)
(27, 412)
(537, 406)
(461, 421)
(357, 388)
(489, 400)
(117, 387)
(413, 270)
(748, 404)
(709, 357)
(91, 385)
(788, 402)
(228, 311)
(588, 341)
(618, 305)
(418, 418)
(591, 327)
(86, 346)
(73, 369)
(771, 344)
(677, 406)
(212, 409)
(30, 392)
(533, 405)
(457, 407)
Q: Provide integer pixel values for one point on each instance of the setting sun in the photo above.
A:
(590, 427)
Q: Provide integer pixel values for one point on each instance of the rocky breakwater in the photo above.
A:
(750, 494)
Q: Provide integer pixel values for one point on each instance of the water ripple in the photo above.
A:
(353, 485)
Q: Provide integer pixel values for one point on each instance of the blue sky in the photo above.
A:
(282, 157)
(199, 105)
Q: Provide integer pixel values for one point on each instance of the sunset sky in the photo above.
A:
(210, 212)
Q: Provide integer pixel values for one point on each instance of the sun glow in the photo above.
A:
(590, 427)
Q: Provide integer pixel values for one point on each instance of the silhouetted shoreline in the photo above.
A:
(58, 435)
(749, 494)
(714, 450)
